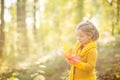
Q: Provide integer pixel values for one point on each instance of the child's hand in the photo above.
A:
(73, 59)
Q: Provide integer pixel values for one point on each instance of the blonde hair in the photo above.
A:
(89, 28)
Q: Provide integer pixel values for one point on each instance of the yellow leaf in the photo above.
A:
(117, 75)
(66, 47)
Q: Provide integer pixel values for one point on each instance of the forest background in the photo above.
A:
(32, 33)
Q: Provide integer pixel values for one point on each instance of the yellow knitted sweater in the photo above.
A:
(84, 69)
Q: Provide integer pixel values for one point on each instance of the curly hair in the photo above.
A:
(89, 28)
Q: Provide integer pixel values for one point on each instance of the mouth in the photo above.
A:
(80, 40)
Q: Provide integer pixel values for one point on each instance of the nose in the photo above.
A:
(78, 38)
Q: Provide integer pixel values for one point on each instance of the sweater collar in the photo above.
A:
(90, 45)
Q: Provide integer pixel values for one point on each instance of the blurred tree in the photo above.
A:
(118, 14)
(118, 11)
(115, 4)
(21, 27)
(35, 6)
(79, 10)
(36, 16)
(2, 34)
(111, 12)
(21, 14)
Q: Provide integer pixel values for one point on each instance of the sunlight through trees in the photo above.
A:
(33, 31)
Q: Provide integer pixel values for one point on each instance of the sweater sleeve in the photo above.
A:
(91, 61)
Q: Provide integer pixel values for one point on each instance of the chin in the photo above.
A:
(81, 42)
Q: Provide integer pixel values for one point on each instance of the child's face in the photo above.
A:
(82, 37)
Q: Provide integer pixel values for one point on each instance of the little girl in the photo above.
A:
(84, 54)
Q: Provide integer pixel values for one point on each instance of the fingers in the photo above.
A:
(74, 59)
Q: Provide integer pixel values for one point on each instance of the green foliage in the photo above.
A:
(108, 59)
(39, 77)
(65, 75)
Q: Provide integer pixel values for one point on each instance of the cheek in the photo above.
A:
(80, 39)
(85, 41)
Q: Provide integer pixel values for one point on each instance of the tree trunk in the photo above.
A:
(22, 41)
(118, 11)
(21, 14)
(79, 11)
(113, 27)
(2, 34)
(35, 17)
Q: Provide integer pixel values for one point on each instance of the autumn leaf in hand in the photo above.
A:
(68, 53)
(67, 50)
(66, 47)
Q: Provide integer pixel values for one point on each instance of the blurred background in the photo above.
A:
(32, 33)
